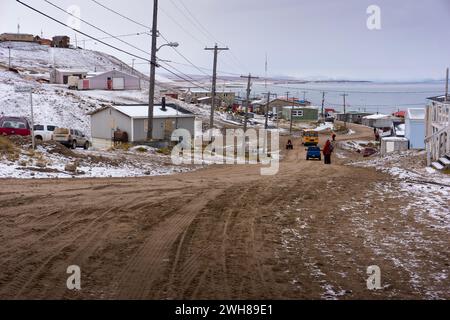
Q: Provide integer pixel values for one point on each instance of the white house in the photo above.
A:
(380, 121)
(415, 127)
(111, 80)
(133, 119)
(437, 121)
(61, 76)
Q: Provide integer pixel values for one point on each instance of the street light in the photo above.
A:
(153, 65)
(28, 89)
(170, 44)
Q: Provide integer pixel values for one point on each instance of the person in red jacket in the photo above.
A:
(327, 150)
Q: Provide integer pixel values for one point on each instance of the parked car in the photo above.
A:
(44, 132)
(313, 153)
(10, 126)
(71, 138)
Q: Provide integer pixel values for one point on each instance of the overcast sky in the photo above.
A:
(302, 38)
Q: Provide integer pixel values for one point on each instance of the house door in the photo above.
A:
(169, 126)
(118, 83)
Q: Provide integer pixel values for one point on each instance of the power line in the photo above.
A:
(95, 27)
(105, 43)
(199, 23)
(185, 58)
(181, 27)
(188, 18)
(123, 16)
(120, 36)
(148, 27)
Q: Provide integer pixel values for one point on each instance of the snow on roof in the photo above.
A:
(198, 90)
(376, 116)
(204, 98)
(261, 101)
(116, 72)
(394, 139)
(71, 71)
(141, 111)
(416, 113)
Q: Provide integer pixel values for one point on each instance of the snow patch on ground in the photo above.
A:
(45, 164)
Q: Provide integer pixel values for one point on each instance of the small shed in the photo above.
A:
(133, 119)
(111, 80)
(415, 127)
(352, 116)
(61, 76)
(298, 113)
(61, 42)
(393, 144)
(380, 121)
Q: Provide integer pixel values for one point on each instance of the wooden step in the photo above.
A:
(445, 161)
(437, 166)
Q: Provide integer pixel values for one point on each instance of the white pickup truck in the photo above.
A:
(44, 132)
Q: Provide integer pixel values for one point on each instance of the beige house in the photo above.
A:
(193, 96)
(19, 37)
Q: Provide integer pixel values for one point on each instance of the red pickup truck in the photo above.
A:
(18, 126)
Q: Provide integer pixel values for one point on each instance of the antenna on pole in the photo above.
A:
(265, 80)
(446, 87)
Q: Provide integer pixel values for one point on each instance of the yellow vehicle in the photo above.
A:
(310, 137)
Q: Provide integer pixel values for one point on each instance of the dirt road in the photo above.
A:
(224, 232)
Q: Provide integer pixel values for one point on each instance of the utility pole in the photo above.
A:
(151, 90)
(345, 109)
(446, 87)
(249, 84)
(266, 125)
(9, 57)
(287, 99)
(323, 105)
(265, 80)
(30, 91)
(132, 67)
(33, 139)
(304, 95)
(216, 50)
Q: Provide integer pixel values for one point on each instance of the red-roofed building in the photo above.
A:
(399, 114)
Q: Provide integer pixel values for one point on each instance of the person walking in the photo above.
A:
(327, 150)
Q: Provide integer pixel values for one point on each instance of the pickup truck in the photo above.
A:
(14, 126)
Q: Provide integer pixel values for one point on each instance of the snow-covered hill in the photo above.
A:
(40, 59)
(56, 104)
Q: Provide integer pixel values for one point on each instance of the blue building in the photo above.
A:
(415, 128)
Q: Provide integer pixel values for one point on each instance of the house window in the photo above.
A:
(297, 113)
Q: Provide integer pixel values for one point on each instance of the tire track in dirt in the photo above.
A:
(138, 277)
(23, 283)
